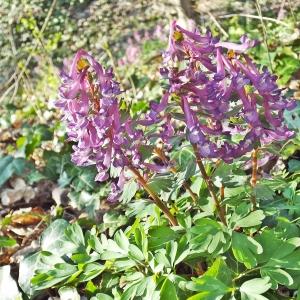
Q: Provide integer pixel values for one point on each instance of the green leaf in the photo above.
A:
(186, 163)
(141, 240)
(68, 292)
(285, 229)
(74, 233)
(253, 288)
(135, 253)
(138, 288)
(229, 175)
(278, 253)
(54, 239)
(34, 176)
(129, 190)
(277, 276)
(95, 244)
(294, 165)
(101, 296)
(9, 166)
(245, 249)
(208, 235)
(290, 261)
(84, 200)
(253, 219)
(161, 183)
(85, 180)
(220, 271)
(61, 272)
(210, 288)
(168, 290)
(160, 235)
(91, 271)
(112, 220)
(6, 241)
(263, 192)
(121, 240)
(40, 261)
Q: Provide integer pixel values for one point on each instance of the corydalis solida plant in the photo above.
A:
(209, 83)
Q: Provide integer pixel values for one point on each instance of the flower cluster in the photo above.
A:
(228, 104)
(102, 135)
(88, 99)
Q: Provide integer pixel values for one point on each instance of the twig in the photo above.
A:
(209, 185)
(218, 24)
(154, 196)
(254, 17)
(265, 34)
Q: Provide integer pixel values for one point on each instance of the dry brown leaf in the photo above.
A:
(28, 218)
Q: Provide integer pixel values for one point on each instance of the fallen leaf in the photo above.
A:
(28, 218)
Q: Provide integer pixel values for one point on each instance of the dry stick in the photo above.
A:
(209, 185)
(154, 196)
(254, 175)
(254, 17)
(217, 24)
(265, 34)
(174, 171)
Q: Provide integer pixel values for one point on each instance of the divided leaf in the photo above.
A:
(245, 249)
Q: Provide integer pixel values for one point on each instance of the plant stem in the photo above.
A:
(222, 192)
(245, 273)
(154, 196)
(253, 180)
(209, 185)
(222, 196)
(162, 156)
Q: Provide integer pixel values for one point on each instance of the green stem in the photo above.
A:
(245, 273)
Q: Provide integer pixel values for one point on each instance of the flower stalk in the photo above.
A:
(209, 185)
(253, 180)
(154, 196)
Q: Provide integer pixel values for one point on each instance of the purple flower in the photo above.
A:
(246, 43)
(216, 86)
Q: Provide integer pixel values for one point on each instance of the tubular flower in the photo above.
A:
(229, 106)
